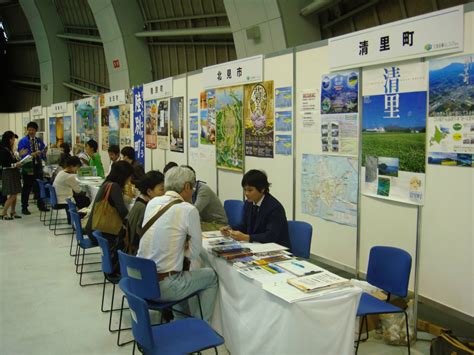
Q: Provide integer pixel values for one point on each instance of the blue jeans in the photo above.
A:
(181, 285)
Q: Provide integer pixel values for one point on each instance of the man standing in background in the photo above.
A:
(33, 170)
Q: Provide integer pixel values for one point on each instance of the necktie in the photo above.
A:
(254, 216)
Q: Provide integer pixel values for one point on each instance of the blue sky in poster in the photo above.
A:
(52, 130)
(283, 97)
(283, 121)
(114, 114)
(283, 144)
(412, 111)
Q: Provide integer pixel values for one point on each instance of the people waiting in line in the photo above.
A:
(264, 218)
(128, 154)
(67, 186)
(34, 146)
(114, 155)
(150, 186)
(209, 205)
(11, 177)
(91, 150)
(168, 166)
(166, 242)
(119, 176)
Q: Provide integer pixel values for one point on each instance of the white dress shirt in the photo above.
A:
(164, 241)
(65, 184)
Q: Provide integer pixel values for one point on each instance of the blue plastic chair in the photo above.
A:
(182, 336)
(234, 209)
(388, 269)
(71, 208)
(301, 234)
(107, 269)
(82, 244)
(43, 197)
(55, 206)
(143, 283)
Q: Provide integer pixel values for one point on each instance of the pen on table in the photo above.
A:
(296, 264)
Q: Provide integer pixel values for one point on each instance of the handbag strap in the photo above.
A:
(158, 215)
(107, 192)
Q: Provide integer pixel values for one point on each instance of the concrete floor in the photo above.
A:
(45, 311)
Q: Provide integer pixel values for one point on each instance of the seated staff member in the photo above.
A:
(91, 150)
(209, 206)
(128, 154)
(114, 155)
(150, 186)
(166, 242)
(264, 219)
(119, 176)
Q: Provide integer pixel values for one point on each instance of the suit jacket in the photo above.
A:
(271, 225)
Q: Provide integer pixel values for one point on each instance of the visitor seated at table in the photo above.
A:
(150, 186)
(168, 166)
(67, 186)
(114, 155)
(209, 206)
(176, 234)
(128, 154)
(91, 150)
(119, 176)
(264, 218)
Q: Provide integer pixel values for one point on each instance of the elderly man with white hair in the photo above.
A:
(176, 234)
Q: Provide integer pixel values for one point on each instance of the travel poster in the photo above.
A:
(193, 123)
(114, 125)
(208, 117)
(283, 144)
(87, 122)
(283, 120)
(60, 131)
(104, 126)
(177, 124)
(193, 140)
(193, 106)
(125, 132)
(394, 131)
(151, 124)
(283, 97)
(259, 119)
(163, 124)
(229, 128)
(451, 103)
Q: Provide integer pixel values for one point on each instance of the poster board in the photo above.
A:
(179, 90)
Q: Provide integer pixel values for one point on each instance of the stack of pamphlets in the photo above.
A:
(317, 281)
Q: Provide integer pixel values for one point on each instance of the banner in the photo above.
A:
(138, 124)
(177, 124)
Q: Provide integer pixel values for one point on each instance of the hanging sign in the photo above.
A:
(91, 101)
(58, 108)
(36, 111)
(139, 124)
(158, 89)
(115, 98)
(415, 37)
(242, 71)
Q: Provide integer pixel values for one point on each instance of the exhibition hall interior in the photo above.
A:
(272, 177)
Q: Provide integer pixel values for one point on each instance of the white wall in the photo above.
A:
(4, 122)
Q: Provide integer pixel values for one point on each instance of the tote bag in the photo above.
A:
(104, 216)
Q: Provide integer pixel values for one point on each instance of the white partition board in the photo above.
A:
(179, 89)
(4, 122)
(11, 122)
(280, 168)
(203, 158)
(331, 241)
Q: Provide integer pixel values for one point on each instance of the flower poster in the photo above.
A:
(229, 128)
(163, 124)
(177, 124)
(259, 119)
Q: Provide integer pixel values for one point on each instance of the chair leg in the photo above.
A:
(120, 326)
(87, 272)
(72, 242)
(408, 331)
(360, 333)
(103, 296)
(134, 345)
(215, 349)
(112, 311)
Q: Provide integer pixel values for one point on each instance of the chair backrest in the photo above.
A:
(142, 275)
(76, 223)
(52, 195)
(71, 206)
(301, 234)
(234, 209)
(106, 258)
(42, 188)
(389, 269)
(141, 325)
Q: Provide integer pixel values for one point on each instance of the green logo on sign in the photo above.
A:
(457, 126)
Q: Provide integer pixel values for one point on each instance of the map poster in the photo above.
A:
(451, 121)
(60, 131)
(259, 120)
(125, 132)
(163, 124)
(283, 97)
(87, 122)
(329, 188)
(104, 126)
(208, 117)
(283, 144)
(394, 131)
(229, 128)
(151, 124)
(177, 124)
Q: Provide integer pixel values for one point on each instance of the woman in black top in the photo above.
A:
(11, 178)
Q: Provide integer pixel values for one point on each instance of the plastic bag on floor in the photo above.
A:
(394, 328)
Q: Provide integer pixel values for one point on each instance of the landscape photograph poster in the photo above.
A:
(177, 124)
(451, 111)
(283, 144)
(125, 131)
(151, 124)
(114, 125)
(163, 124)
(60, 131)
(259, 119)
(394, 131)
(283, 97)
(339, 113)
(87, 122)
(229, 128)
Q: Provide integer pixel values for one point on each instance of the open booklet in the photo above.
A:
(26, 159)
(317, 281)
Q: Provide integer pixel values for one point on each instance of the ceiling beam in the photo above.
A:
(21, 41)
(318, 6)
(200, 31)
(187, 18)
(350, 14)
(79, 88)
(80, 38)
(26, 82)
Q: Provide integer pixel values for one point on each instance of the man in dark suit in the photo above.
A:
(264, 219)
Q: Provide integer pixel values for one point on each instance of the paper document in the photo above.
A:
(263, 248)
(318, 281)
(299, 267)
(26, 159)
(212, 234)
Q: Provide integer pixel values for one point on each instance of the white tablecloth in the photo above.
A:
(254, 321)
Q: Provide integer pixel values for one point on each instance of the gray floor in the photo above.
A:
(45, 311)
